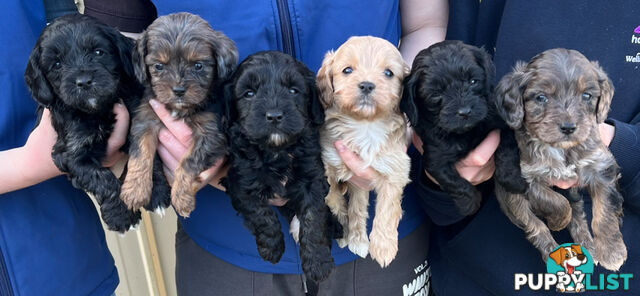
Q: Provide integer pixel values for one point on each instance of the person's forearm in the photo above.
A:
(20, 171)
(423, 23)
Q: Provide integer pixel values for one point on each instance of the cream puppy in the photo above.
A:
(361, 87)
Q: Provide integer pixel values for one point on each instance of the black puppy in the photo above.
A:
(79, 69)
(274, 116)
(448, 98)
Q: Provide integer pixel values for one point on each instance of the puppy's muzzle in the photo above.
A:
(84, 81)
(366, 87)
(274, 116)
(464, 112)
(568, 128)
(179, 91)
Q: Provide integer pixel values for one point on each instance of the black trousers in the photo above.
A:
(198, 272)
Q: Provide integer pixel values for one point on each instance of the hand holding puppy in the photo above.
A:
(479, 165)
(174, 140)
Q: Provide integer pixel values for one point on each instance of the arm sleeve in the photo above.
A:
(625, 147)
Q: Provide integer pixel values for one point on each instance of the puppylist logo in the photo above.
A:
(570, 269)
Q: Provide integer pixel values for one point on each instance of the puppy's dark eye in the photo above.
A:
(586, 96)
(159, 66)
(293, 91)
(473, 81)
(347, 70)
(57, 65)
(98, 52)
(249, 94)
(197, 66)
(388, 73)
(542, 99)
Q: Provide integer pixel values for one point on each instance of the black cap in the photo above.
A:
(125, 15)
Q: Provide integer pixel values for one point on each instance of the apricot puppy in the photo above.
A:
(361, 87)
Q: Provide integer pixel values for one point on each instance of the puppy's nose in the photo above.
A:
(83, 80)
(464, 111)
(179, 91)
(568, 128)
(274, 116)
(366, 87)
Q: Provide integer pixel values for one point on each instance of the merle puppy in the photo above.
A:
(448, 98)
(79, 69)
(274, 115)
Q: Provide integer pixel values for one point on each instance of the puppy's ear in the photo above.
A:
(125, 47)
(407, 103)
(137, 58)
(606, 93)
(225, 51)
(36, 80)
(483, 59)
(509, 96)
(324, 80)
(315, 108)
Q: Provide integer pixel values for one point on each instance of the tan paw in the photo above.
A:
(383, 248)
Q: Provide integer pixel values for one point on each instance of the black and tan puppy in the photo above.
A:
(79, 69)
(182, 61)
(449, 100)
(555, 103)
(274, 115)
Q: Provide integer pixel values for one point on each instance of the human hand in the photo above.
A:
(174, 140)
(606, 132)
(362, 175)
(478, 166)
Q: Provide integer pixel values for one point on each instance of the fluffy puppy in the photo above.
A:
(182, 61)
(361, 87)
(79, 69)
(448, 98)
(555, 103)
(274, 117)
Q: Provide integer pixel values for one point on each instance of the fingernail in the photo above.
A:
(163, 135)
(340, 146)
(154, 103)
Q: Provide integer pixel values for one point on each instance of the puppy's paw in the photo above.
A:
(558, 221)
(358, 244)
(182, 200)
(319, 267)
(271, 248)
(468, 203)
(342, 242)
(383, 248)
(294, 229)
(118, 216)
(610, 252)
(134, 194)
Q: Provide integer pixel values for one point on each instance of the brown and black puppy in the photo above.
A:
(555, 103)
(182, 62)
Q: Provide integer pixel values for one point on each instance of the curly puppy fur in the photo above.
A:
(449, 100)
(361, 87)
(79, 69)
(274, 116)
(555, 103)
(182, 61)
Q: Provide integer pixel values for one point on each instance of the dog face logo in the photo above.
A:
(569, 257)
(570, 262)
